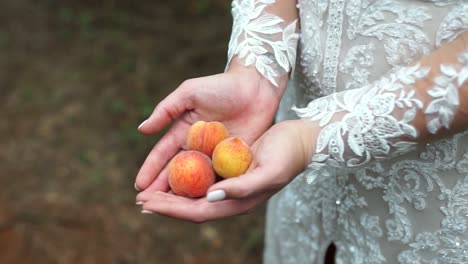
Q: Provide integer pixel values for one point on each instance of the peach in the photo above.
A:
(191, 174)
(231, 158)
(204, 136)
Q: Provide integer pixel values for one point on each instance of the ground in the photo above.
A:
(76, 79)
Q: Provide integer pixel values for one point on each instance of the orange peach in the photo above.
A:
(191, 174)
(204, 136)
(231, 158)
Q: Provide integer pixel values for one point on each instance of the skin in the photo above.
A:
(287, 147)
(273, 166)
(241, 99)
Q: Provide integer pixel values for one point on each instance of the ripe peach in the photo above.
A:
(204, 136)
(231, 157)
(191, 174)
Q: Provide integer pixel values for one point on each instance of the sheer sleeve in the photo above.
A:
(264, 35)
(408, 106)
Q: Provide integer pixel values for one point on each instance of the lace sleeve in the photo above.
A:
(408, 106)
(264, 35)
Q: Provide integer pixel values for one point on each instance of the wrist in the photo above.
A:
(308, 139)
(305, 133)
(252, 75)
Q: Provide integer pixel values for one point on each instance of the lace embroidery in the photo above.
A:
(310, 49)
(462, 166)
(258, 38)
(332, 50)
(311, 14)
(446, 243)
(410, 189)
(452, 25)
(367, 121)
(297, 216)
(445, 94)
(310, 41)
(410, 181)
(356, 64)
(405, 39)
(444, 2)
(375, 118)
(364, 231)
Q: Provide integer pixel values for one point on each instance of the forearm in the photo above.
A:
(411, 105)
(444, 91)
(264, 38)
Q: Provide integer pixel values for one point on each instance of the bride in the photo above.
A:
(369, 150)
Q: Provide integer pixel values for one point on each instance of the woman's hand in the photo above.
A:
(279, 155)
(241, 99)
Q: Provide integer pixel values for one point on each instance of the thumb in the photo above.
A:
(170, 108)
(256, 181)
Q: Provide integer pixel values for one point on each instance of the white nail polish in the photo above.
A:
(142, 124)
(216, 196)
(147, 212)
(136, 188)
(139, 203)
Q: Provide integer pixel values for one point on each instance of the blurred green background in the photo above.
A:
(76, 79)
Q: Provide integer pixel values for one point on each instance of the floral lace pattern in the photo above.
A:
(369, 125)
(445, 94)
(406, 39)
(356, 64)
(452, 25)
(259, 39)
(411, 208)
(377, 116)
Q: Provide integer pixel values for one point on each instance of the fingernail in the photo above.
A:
(142, 124)
(147, 212)
(139, 203)
(215, 196)
(136, 187)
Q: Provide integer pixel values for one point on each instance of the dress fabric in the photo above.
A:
(407, 209)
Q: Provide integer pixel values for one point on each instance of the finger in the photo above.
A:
(161, 154)
(160, 184)
(198, 210)
(170, 108)
(256, 181)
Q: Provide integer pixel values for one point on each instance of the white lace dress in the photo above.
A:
(410, 208)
